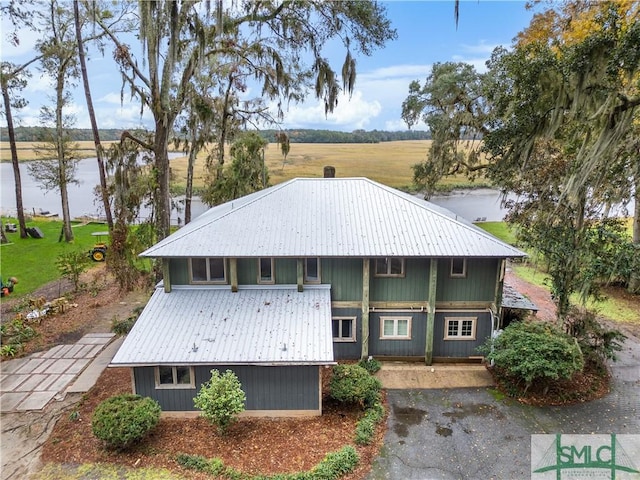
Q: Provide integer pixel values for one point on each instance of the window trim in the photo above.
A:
(459, 336)
(208, 281)
(174, 372)
(353, 337)
(464, 268)
(395, 335)
(271, 280)
(388, 273)
(307, 279)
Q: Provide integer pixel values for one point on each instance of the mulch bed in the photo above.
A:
(255, 446)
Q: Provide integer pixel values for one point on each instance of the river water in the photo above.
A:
(475, 205)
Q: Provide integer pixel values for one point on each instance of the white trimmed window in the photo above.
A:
(344, 329)
(266, 270)
(174, 377)
(395, 328)
(460, 328)
(208, 270)
(458, 267)
(389, 267)
(312, 270)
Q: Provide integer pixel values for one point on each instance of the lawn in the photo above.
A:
(33, 261)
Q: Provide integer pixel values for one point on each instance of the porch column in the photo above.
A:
(233, 267)
(431, 314)
(300, 274)
(166, 275)
(366, 265)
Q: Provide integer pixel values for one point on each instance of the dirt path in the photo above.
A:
(539, 296)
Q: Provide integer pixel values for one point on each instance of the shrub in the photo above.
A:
(366, 427)
(370, 364)
(123, 420)
(221, 399)
(597, 343)
(353, 384)
(336, 464)
(535, 352)
(71, 265)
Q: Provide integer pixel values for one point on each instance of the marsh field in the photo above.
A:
(386, 162)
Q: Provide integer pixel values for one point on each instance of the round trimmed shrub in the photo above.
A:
(353, 384)
(123, 420)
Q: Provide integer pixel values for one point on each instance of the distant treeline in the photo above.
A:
(357, 136)
(35, 134)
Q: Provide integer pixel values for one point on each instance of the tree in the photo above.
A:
(131, 186)
(246, 174)
(59, 62)
(104, 196)
(452, 104)
(13, 78)
(177, 37)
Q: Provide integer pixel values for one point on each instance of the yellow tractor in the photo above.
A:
(99, 251)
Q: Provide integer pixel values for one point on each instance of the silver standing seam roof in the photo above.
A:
(210, 325)
(330, 217)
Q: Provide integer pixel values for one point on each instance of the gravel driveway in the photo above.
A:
(472, 433)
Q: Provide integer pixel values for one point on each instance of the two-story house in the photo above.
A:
(279, 284)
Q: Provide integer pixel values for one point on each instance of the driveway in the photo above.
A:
(473, 433)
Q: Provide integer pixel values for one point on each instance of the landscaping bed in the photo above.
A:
(252, 446)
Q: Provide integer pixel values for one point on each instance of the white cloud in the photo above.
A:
(350, 114)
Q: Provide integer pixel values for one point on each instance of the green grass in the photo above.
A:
(500, 230)
(33, 261)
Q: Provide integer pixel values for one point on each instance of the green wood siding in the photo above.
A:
(460, 348)
(414, 286)
(413, 347)
(348, 350)
(345, 277)
(478, 285)
(266, 388)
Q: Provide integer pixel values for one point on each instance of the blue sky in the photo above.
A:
(426, 34)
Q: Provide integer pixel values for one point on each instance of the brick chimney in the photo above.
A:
(329, 172)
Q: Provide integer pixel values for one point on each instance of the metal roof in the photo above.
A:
(511, 298)
(330, 217)
(213, 325)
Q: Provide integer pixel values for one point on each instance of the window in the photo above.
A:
(312, 270)
(458, 267)
(208, 270)
(460, 328)
(344, 329)
(389, 267)
(395, 328)
(266, 270)
(174, 377)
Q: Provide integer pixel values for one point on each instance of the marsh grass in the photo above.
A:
(389, 163)
(27, 150)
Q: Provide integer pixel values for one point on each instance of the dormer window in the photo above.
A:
(458, 267)
(266, 271)
(208, 270)
(389, 267)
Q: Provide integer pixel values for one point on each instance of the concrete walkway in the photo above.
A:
(399, 375)
(30, 383)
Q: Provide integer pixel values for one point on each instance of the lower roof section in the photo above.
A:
(213, 325)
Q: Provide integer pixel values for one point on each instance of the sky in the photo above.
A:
(427, 34)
